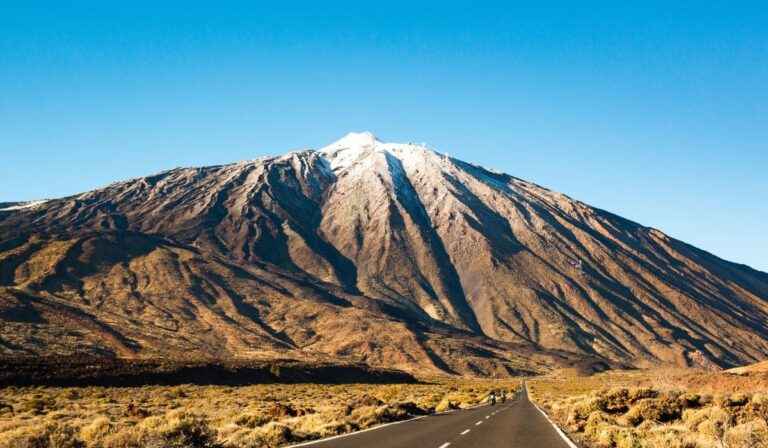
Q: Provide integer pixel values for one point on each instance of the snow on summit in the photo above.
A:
(358, 145)
(353, 140)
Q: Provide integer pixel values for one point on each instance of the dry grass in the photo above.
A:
(217, 416)
(657, 408)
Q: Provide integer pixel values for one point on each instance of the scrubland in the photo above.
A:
(658, 408)
(672, 408)
(265, 415)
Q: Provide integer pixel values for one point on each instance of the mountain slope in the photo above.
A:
(388, 253)
(760, 367)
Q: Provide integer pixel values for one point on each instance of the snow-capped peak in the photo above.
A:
(358, 139)
(353, 140)
(357, 145)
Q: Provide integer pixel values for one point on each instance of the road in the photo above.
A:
(516, 423)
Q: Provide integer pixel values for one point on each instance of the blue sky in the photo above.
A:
(657, 112)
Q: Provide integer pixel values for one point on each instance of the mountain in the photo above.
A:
(760, 367)
(390, 254)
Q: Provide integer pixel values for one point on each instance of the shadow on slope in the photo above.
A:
(69, 371)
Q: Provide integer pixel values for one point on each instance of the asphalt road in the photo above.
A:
(516, 423)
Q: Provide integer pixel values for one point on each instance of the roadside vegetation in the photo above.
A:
(672, 408)
(267, 415)
(658, 408)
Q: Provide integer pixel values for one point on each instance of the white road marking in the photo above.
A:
(557, 428)
(487, 416)
(444, 445)
(354, 433)
(318, 441)
(464, 432)
(478, 423)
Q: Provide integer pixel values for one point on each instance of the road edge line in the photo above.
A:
(338, 436)
(557, 428)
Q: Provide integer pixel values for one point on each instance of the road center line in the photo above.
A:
(478, 422)
(464, 432)
(487, 416)
(444, 445)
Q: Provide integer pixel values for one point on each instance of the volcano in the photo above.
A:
(388, 254)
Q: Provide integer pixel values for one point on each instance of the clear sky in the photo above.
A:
(657, 112)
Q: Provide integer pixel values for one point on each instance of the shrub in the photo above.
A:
(279, 410)
(738, 399)
(175, 392)
(366, 417)
(639, 393)
(616, 393)
(389, 393)
(712, 421)
(125, 438)
(318, 425)
(6, 410)
(271, 434)
(51, 435)
(132, 410)
(446, 405)
(64, 436)
(693, 417)
(601, 428)
(252, 420)
(689, 400)
(584, 408)
(627, 439)
(71, 394)
(95, 432)
(616, 400)
(721, 400)
(37, 404)
(369, 400)
(175, 430)
(750, 434)
(649, 409)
